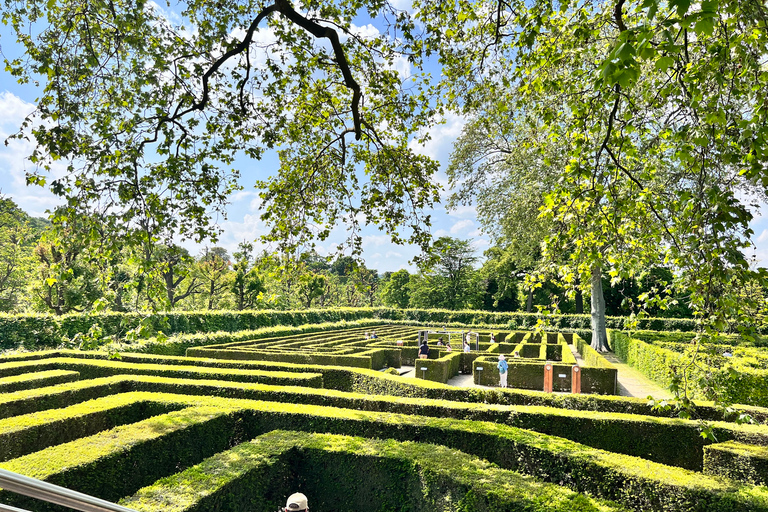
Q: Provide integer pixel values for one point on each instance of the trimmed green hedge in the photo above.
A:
(21, 435)
(352, 380)
(362, 474)
(735, 381)
(653, 362)
(34, 331)
(62, 395)
(738, 461)
(95, 368)
(440, 369)
(668, 441)
(119, 462)
(36, 380)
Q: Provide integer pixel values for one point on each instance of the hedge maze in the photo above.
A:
(398, 345)
(738, 367)
(229, 433)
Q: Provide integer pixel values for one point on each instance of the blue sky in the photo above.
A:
(16, 101)
(242, 222)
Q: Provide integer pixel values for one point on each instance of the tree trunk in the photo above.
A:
(529, 302)
(579, 302)
(599, 334)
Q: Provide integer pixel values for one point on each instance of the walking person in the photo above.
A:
(503, 373)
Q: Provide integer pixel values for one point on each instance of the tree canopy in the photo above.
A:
(661, 108)
(149, 107)
(658, 109)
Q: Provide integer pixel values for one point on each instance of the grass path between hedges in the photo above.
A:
(634, 383)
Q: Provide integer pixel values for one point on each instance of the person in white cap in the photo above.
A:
(297, 502)
(503, 367)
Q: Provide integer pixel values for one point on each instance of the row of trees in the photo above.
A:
(45, 270)
(644, 124)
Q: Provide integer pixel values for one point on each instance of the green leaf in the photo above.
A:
(704, 26)
(664, 63)
(681, 6)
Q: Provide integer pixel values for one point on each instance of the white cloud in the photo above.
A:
(376, 240)
(242, 195)
(763, 236)
(14, 161)
(14, 110)
(480, 243)
(442, 138)
(365, 31)
(460, 226)
(464, 211)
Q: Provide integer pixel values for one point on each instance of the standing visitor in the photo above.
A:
(424, 350)
(503, 367)
(466, 346)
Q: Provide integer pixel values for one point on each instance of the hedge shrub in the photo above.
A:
(37, 331)
(120, 461)
(738, 461)
(36, 380)
(736, 381)
(160, 446)
(338, 378)
(29, 433)
(361, 474)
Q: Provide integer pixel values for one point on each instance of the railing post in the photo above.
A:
(576, 379)
(548, 375)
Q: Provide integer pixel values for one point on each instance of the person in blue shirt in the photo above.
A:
(503, 367)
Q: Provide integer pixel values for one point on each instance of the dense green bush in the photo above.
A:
(22, 435)
(362, 474)
(738, 461)
(338, 378)
(36, 380)
(119, 463)
(34, 332)
(736, 380)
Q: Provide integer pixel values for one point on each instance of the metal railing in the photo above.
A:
(40, 490)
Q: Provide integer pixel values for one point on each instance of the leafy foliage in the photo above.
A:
(148, 108)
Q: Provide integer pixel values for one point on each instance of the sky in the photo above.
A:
(242, 222)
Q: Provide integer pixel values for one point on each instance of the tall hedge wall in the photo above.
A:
(36, 331)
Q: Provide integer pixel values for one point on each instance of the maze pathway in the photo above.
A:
(164, 433)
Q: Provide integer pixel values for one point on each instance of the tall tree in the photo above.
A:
(502, 278)
(176, 272)
(396, 290)
(66, 280)
(213, 267)
(17, 241)
(310, 286)
(246, 284)
(367, 283)
(447, 276)
(660, 109)
(196, 86)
